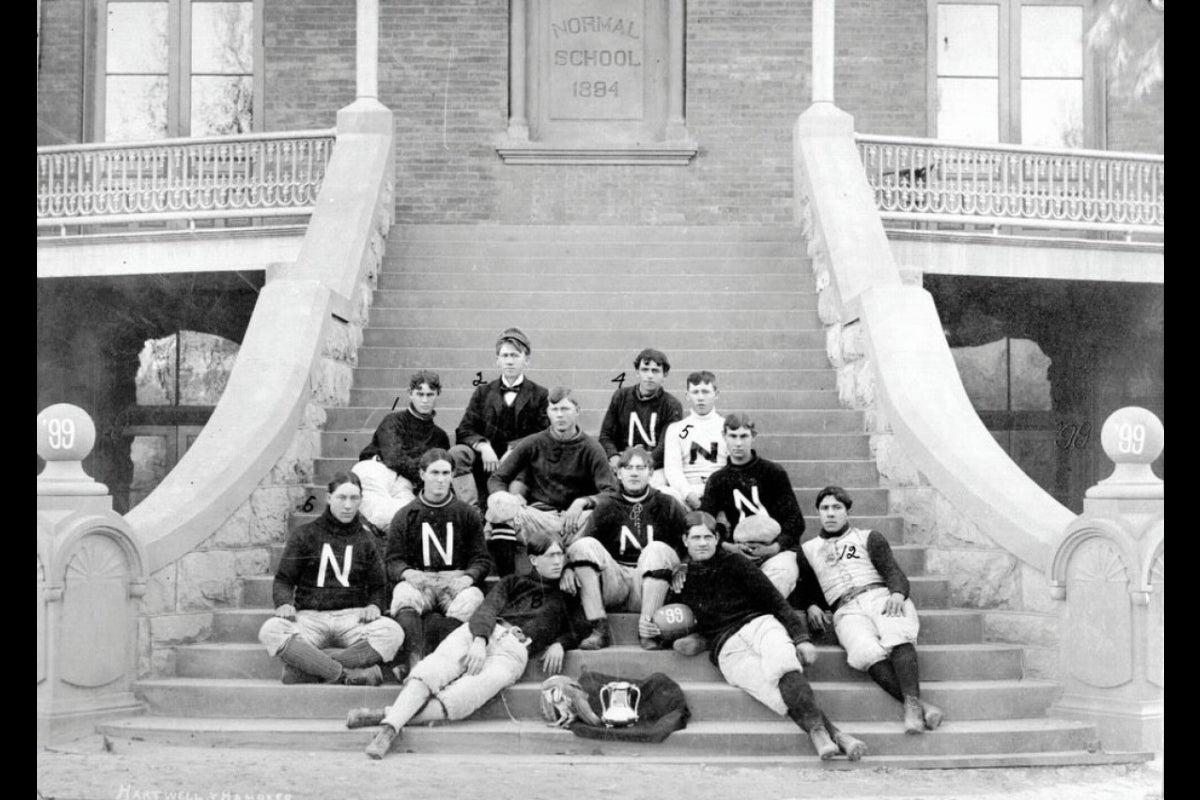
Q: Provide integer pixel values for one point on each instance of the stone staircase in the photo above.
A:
(737, 301)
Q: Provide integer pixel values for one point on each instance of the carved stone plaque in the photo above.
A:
(596, 59)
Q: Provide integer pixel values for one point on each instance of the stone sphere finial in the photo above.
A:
(65, 436)
(1133, 438)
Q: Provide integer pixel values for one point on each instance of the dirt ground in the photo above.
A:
(92, 768)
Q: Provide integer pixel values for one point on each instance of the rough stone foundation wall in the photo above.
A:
(181, 597)
(1014, 596)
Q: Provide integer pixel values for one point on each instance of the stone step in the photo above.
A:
(677, 266)
(550, 296)
(457, 379)
(613, 360)
(523, 252)
(842, 447)
(767, 421)
(670, 276)
(847, 473)
(586, 334)
(553, 320)
(849, 701)
(964, 743)
(538, 234)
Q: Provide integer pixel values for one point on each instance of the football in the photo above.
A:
(675, 620)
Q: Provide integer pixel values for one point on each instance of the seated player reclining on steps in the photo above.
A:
(564, 470)
(623, 556)
(640, 414)
(754, 499)
(694, 447)
(758, 641)
(522, 614)
(435, 557)
(387, 466)
(328, 592)
(856, 585)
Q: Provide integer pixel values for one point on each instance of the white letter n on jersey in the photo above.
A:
(635, 423)
(628, 537)
(748, 506)
(328, 560)
(446, 552)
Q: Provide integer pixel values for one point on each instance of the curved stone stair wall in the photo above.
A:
(732, 300)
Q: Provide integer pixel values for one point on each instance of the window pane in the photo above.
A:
(1052, 113)
(969, 109)
(137, 38)
(1052, 42)
(222, 105)
(968, 40)
(222, 38)
(135, 107)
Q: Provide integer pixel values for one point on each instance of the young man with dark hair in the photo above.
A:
(694, 447)
(522, 614)
(857, 586)
(758, 641)
(754, 499)
(565, 471)
(436, 556)
(328, 592)
(387, 466)
(499, 414)
(640, 414)
(624, 555)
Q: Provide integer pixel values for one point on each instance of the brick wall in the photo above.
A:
(60, 72)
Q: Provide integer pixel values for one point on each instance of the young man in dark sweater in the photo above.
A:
(854, 584)
(522, 614)
(757, 640)
(435, 555)
(499, 414)
(564, 470)
(623, 556)
(387, 466)
(640, 414)
(328, 592)
(750, 487)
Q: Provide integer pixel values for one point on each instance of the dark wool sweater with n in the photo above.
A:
(738, 489)
(633, 420)
(400, 441)
(436, 538)
(625, 525)
(727, 591)
(559, 470)
(488, 418)
(879, 550)
(329, 565)
(545, 613)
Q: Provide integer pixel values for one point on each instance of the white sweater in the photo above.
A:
(694, 448)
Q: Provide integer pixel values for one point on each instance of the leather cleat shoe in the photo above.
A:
(690, 645)
(914, 717)
(852, 747)
(651, 643)
(821, 742)
(364, 717)
(292, 676)
(379, 746)
(933, 715)
(363, 676)
(599, 638)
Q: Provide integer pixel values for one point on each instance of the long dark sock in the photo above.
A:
(414, 633)
(800, 701)
(904, 660)
(885, 675)
(302, 655)
(504, 555)
(437, 627)
(360, 654)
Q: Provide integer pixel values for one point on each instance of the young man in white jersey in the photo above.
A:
(856, 585)
(694, 447)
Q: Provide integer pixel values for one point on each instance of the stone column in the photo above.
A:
(367, 49)
(676, 129)
(1108, 572)
(90, 580)
(518, 119)
(822, 51)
